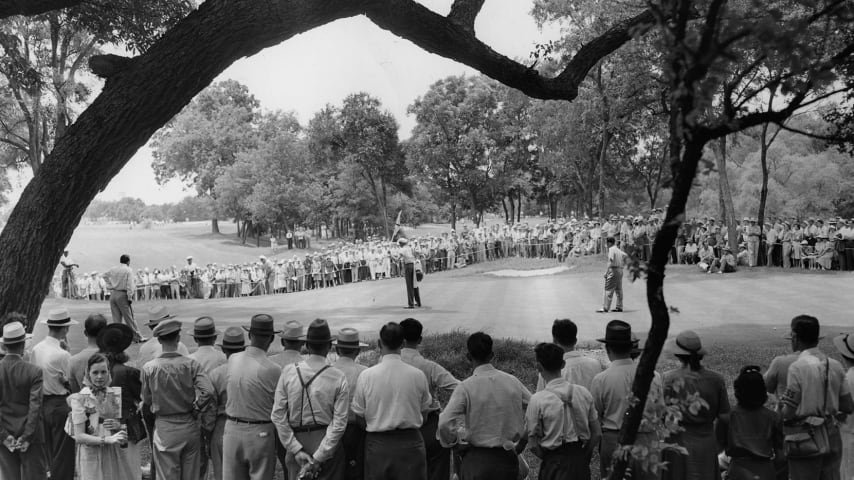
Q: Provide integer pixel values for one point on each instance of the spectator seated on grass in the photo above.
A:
(706, 256)
(725, 264)
(743, 258)
(689, 255)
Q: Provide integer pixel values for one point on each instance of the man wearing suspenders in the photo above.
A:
(310, 410)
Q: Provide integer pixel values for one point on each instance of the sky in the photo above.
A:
(328, 63)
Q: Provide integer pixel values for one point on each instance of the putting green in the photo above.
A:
(525, 307)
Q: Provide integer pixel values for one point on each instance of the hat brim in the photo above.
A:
(153, 322)
(115, 338)
(16, 341)
(213, 334)
(261, 332)
(672, 348)
(842, 347)
(69, 322)
(231, 347)
(320, 341)
(292, 338)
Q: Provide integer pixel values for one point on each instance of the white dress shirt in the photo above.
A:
(56, 365)
(391, 395)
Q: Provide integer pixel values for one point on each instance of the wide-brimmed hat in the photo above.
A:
(14, 332)
(166, 327)
(318, 332)
(402, 241)
(115, 338)
(59, 317)
(686, 343)
(349, 338)
(261, 324)
(617, 332)
(157, 314)
(293, 331)
(204, 327)
(843, 342)
(233, 339)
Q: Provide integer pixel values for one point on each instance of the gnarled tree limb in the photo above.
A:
(10, 8)
(464, 13)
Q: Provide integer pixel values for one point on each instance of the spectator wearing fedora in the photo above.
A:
(121, 284)
(113, 341)
(845, 345)
(491, 405)
(612, 393)
(22, 455)
(205, 333)
(177, 393)
(438, 457)
(578, 369)
(249, 446)
(293, 339)
(151, 348)
(562, 423)
(816, 394)
(233, 341)
(310, 410)
(698, 434)
(93, 325)
(348, 347)
(391, 398)
(55, 362)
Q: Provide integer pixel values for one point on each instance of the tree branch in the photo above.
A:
(464, 13)
(437, 34)
(9, 8)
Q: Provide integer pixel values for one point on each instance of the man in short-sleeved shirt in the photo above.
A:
(562, 423)
(391, 397)
(816, 390)
(491, 406)
(579, 369)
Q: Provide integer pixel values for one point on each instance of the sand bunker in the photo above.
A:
(528, 273)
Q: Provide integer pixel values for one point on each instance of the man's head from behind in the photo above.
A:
(93, 325)
(805, 332)
(391, 337)
(412, 330)
(479, 347)
(549, 358)
(564, 332)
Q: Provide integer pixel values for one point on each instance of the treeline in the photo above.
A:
(129, 209)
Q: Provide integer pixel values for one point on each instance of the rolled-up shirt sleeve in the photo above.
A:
(280, 418)
(451, 417)
(335, 430)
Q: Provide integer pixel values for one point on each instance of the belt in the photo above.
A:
(117, 290)
(308, 428)
(250, 422)
(170, 415)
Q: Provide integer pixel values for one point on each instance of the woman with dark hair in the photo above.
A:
(96, 426)
(113, 340)
(751, 435)
(698, 436)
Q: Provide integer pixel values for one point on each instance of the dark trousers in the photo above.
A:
(353, 444)
(23, 465)
(395, 455)
(59, 447)
(569, 461)
(438, 458)
(409, 276)
(281, 453)
(489, 464)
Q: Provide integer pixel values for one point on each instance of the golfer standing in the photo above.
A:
(120, 281)
(408, 257)
(614, 277)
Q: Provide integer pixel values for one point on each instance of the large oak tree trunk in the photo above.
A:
(136, 100)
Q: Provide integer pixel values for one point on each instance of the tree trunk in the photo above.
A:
(763, 191)
(136, 100)
(512, 203)
(215, 226)
(519, 206)
(506, 213)
(453, 216)
(603, 156)
(728, 215)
